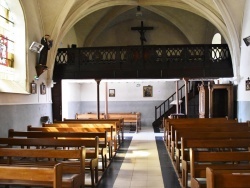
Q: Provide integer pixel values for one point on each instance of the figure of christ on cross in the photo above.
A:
(142, 31)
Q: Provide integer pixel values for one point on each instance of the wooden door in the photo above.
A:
(57, 101)
(221, 100)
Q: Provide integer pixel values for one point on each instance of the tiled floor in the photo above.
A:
(142, 161)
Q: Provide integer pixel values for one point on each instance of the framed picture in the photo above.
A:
(33, 87)
(111, 93)
(147, 91)
(248, 84)
(43, 89)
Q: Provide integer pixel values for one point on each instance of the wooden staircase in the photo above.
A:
(165, 109)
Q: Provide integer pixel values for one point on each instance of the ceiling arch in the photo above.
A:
(206, 9)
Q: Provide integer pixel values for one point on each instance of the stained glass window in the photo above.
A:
(6, 36)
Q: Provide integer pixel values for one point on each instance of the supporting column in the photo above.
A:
(98, 98)
(186, 95)
(177, 97)
(210, 87)
(106, 99)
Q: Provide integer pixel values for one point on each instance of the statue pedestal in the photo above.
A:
(40, 69)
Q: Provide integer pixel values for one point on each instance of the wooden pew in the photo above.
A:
(207, 144)
(199, 160)
(88, 128)
(44, 176)
(119, 123)
(202, 135)
(218, 178)
(91, 160)
(72, 173)
(89, 116)
(133, 118)
(204, 128)
(92, 127)
(116, 124)
(129, 118)
(103, 139)
(174, 138)
(192, 121)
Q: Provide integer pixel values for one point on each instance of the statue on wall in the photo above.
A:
(47, 43)
(41, 66)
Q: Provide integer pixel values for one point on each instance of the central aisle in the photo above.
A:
(137, 163)
(141, 166)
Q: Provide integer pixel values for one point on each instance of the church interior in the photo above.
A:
(152, 65)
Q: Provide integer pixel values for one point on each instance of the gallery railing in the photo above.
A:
(159, 61)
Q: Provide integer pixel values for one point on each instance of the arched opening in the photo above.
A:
(216, 39)
(216, 52)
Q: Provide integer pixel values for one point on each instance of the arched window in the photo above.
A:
(216, 39)
(6, 36)
(12, 48)
(216, 51)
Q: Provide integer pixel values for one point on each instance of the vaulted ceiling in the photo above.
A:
(89, 18)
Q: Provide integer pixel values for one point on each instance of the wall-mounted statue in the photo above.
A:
(47, 43)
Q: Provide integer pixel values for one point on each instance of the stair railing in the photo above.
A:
(165, 106)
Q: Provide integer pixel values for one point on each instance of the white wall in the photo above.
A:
(243, 95)
(82, 98)
(129, 90)
(71, 92)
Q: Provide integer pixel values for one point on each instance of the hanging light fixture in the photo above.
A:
(138, 13)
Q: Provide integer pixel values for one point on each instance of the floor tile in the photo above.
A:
(143, 162)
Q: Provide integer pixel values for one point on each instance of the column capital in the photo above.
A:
(185, 79)
(98, 81)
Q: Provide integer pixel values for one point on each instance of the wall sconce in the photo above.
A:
(247, 84)
(247, 40)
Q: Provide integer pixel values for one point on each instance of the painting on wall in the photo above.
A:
(247, 84)
(147, 91)
(43, 89)
(111, 93)
(33, 87)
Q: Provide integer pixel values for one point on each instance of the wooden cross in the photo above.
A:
(142, 31)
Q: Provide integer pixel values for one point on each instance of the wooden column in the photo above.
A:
(177, 97)
(186, 95)
(210, 95)
(106, 99)
(98, 98)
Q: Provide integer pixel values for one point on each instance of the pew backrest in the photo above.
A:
(89, 116)
(208, 135)
(118, 123)
(103, 136)
(192, 121)
(199, 160)
(94, 129)
(54, 143)
(31, 176)
(227, 178)
(207, 144)
(13, 155)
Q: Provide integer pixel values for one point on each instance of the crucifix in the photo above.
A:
(142, 31)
